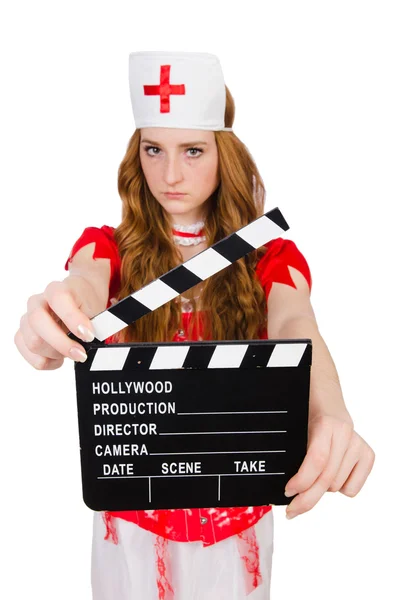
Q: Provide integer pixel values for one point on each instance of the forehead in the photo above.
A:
(175, 137)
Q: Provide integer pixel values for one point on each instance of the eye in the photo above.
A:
(195, 150)
(147, 148)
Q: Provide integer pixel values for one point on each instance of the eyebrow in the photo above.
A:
(186, 145)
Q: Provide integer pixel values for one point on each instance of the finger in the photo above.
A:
(51, 332)
(357, 478)
(38, 362)
(306, 500)
(340, 444)
(359, 473)
(316, 459)
(350, 459)
(65, 302)
(34, 343)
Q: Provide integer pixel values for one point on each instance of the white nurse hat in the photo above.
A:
(185, 90)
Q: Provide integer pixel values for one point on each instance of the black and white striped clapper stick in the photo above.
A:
(190, 273)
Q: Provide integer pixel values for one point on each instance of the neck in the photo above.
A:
(185, 222)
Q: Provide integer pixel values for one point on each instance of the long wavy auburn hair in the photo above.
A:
(232, 302)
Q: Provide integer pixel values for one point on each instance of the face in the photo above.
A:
(183, 161)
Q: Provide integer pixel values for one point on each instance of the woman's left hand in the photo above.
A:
(337, 459)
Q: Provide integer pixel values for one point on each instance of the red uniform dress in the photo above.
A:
(205, 525)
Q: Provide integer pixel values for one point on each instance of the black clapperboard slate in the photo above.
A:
(191, 424)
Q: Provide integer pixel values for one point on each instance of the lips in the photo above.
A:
(174, 194)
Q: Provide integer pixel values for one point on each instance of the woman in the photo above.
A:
(185, 182)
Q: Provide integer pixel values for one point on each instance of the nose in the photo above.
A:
(173, 170)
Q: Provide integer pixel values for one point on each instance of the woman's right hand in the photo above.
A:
(42, 336)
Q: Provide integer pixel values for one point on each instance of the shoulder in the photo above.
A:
(278, 247)
(278, 255)
(97, 233)
(103, 239)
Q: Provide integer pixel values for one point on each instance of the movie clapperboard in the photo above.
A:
(191, 424)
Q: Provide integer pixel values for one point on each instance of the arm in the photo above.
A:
(291, 316)
(338, 458)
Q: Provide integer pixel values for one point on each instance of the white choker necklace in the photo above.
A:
(188, 235)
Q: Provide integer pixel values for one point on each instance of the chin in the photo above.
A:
(180, 208)
(177, 207)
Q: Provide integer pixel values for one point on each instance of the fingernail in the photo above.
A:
(290, 493)
(77, 354)
(87, 335)
(290, 515)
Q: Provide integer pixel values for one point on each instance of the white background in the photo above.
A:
(315, 91)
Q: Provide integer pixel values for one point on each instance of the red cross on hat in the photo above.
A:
(165, 89)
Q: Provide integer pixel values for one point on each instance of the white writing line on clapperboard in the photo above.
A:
(196, 475)
(139, 450)
(162, 408)
(244, 412)
(151, 429)
(220, 452)
(217, 432)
